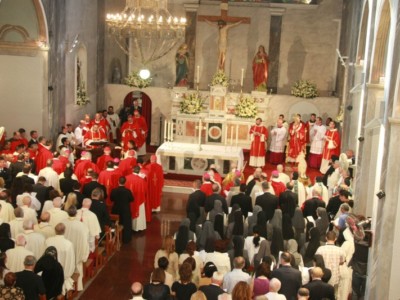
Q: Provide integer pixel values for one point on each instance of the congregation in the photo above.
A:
(58, 204)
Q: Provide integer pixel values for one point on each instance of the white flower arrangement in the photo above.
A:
(220, 78)
(246, 108)
(191, 104)
(135, 80)
(81, 95)
(305, 89)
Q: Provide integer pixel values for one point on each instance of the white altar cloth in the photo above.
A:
(199, 162)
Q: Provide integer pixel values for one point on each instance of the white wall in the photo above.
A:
(23, 85)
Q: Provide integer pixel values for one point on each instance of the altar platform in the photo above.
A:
(185, 158)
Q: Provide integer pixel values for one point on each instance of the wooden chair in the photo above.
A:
(118, 231)
(110, 241)
(88, 270)
(98, 254)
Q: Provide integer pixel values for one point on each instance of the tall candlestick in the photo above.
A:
(200, 128)
(165, 130)
(241, 78)
(172, 131)
(198, 75)
(237, 134)
(231, 135)
(226, 134)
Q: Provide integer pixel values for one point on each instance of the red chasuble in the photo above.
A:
(43, 155)
(155, 181)
(297, 142)
(138, 187)
(126, 165)
(109, 179)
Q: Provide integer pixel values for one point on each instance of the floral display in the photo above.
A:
(305, 89)
(246, 108)
(135, 80)
(220, 78)
(81, 95)
(191, 104)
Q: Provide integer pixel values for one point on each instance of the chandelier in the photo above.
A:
(145, 29)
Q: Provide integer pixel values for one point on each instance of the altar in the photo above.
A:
(186, 158)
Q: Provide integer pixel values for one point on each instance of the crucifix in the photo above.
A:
(200, 128)
(224, 23)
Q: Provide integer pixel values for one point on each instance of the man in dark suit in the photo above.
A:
(196, 200)
(28, 281)
(89, 187)
(67, 183)
(5, 172)
(267, 201)
(17, 166)
(34, 136)
(42, 191)
(79, 196)
(311, 205)
(289, 277)
(209, 203)
(122, 197)
(335, 202)
(242, 200)
(99, 208)
(25, 177)
(288, 200)
(319, 289)
(213, 290)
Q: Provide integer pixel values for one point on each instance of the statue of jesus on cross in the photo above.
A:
(224, 23)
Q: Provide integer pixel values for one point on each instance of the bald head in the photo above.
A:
(26, 200)
(136, 289)
(45, 216)
(57, 202)
(317, 273)
(60, 229)
(18, 212)
(274, 285)
(27, 225)
(86, 203)
(239, 262)
(49, 163)
(20, 240)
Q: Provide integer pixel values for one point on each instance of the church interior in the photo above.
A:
(53, 51)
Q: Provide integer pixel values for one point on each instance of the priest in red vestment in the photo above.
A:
(87, 124)
(106, 157)
(278, 186)
(85, 164)
(44, 153)
(126, 165)
(101, 123)
(140, 132)
(155, 181)
(138, 186)
(58, 165)
(93, 135)
(297, 139)
(331, 146)
(127, 132)
(206, 186)
(259, 135)
(109, 178)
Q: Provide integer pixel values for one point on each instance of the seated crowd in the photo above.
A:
(256, 240)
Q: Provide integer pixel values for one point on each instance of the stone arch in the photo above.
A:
(363, 32)
(17, 39)
(381, 44)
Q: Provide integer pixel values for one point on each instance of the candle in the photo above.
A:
(165, 129)
(200, 127)
(382, 80)
(198, 74)
(231, 135)
(172, 131)
(241, 78)
(237, 134)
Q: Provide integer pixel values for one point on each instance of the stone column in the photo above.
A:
(190, 38)
(384, 263)
(275, 32)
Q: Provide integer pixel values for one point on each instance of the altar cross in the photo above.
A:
(224, 23)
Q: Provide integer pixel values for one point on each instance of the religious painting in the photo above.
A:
(214, 131)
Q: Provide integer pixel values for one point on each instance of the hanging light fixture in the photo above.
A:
(145, 29)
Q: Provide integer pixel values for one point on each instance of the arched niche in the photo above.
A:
(363, 32)
(81, 70)
(23, 33)
(381, 44)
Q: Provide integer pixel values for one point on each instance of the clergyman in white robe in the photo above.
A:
(278, 143)
(6, 212)
(16, 256)
(51, 176)
(317, 145)
(90, 220)
(78, 234)
(65, 255)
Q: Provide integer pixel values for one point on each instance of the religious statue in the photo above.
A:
(260, 69)
(182, 65)
(223, 28)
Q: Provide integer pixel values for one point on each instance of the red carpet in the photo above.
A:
(182, 180)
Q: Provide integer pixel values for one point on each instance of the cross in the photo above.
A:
(224, 23)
